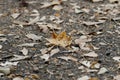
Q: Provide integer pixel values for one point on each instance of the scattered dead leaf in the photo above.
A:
(34, 37)
(68, 58)
(102, 70)
(24, 51)
(91, 54)
(60, 39)
(28, 44)
(97, 0)
(94, 78)
(48, 4)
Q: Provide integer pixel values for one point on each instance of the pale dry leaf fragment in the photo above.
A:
(20, 23)
(84, 78)
(45, 56)
(35, 13)
(9, 64)
(43, 18)
(89, 23)
(86, 63)
(102, 70)
(15, 15)
(53, 26)
(113, 1)
(2, 34)
(91, 54)
(85, 10)
(68, 58)
(96, 0)
(82, 42)
(78, 10)
(5, 70)
(117, 77)
(48, 4)
(54, 51)
(24, 51)
(1, 46)
(117, 58)
(45, 50)
(57, 7)
(34, 20)
(3, 39)
(34, 37)
(18, 78)
(19, 57)
(28, 44)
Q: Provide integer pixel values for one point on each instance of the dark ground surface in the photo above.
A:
(55, 68)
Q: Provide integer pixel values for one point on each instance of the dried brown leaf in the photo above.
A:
(60, 39)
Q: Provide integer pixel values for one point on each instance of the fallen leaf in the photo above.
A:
(15, 15)
(5, 70)
(60, 39)
(45, 56)
(1, 46)
(97, 0)
(34, 76)
(113, 1)
(86, 63)
(91, 54)
(3, 39)
(68, 58)
(57, 7)
(82, 42)
(48, 4)
(18, 78)
(24, 51)
(117, 77)
(102, 70)
(54, 51)
(117, 58)
(94, 78)
(28, 44)
(34, 37)
(89, 23)
(84, 78)
(9, 64)
(19, 57)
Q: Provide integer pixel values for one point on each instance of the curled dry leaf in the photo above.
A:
(60, 39)
(91, 54)
(28, 44)
(117, 77)
(68, 58)
(102, 70)
(82, 42)
(96, 0)
(45, 56)
(113, 1)
(117, 58)
(84, 78)
(1, 46)
(89, 23)
(15, 15)
(48, 4)
(33, 37)
(3, 39)
(5, 70)
(24, 51)
(58, 7)
(9, 64)
(18, 78)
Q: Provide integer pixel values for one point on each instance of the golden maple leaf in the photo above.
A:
(60, 39)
